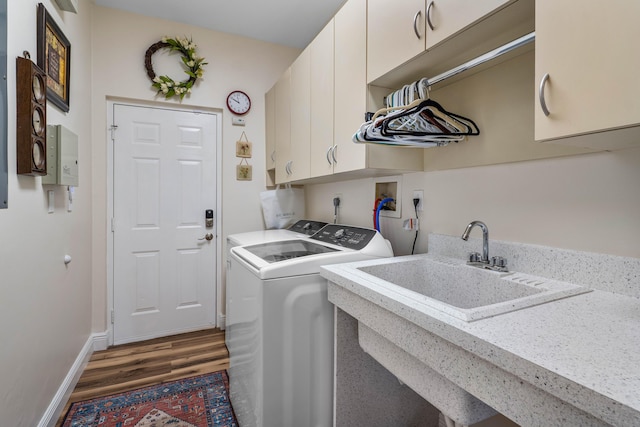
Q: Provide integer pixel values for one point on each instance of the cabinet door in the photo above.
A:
(300, 116)
(270, 128)
(449, 17)
(283, 125)
(322, 102)
(391, 36)
(588, 49)
(350, 84)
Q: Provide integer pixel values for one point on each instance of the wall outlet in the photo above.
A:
(418, 194)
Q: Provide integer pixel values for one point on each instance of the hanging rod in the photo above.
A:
(493, 54)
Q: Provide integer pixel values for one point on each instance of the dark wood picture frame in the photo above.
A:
(54, 57)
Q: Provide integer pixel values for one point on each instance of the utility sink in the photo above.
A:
(466, 292)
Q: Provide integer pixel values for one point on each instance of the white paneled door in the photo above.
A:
(164, 261)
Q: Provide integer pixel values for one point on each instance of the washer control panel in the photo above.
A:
(309, 228)
(345, 235)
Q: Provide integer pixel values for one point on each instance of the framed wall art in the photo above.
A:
(54, 57)
(243, 148)
(244, 172)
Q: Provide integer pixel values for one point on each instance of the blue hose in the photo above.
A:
(379, 208)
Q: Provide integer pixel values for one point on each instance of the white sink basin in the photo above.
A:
(465, 292)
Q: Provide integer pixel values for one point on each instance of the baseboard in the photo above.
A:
(100, 341)
(222, 321)
(96, 341)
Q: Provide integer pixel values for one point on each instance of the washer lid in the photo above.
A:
(288, 249)
(261, 236)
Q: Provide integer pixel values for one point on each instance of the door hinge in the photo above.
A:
(113, 129)
(113, 225)
(113, 317)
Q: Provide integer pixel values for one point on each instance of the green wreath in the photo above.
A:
(193, 63)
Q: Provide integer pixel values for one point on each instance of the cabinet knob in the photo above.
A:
(543, 103)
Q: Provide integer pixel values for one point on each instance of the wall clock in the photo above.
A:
(31, 105)
(238, 102)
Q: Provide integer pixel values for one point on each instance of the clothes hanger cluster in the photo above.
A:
(411, 118)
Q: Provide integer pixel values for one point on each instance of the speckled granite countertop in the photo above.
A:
(584, 350)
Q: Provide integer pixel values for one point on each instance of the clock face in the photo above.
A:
(38, 155)
(38, 87)
(238, 102)
(37, 121)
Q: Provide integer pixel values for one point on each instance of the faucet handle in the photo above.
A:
(499, 262)
(474, 257)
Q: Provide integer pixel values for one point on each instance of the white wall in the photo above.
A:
(233, 63)
(588, 202)
(45, 307)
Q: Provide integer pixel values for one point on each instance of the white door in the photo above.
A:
(163, 182)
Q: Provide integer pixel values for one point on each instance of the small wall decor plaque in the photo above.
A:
(244, 172)
(243, 148)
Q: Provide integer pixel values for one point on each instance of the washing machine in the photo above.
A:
(280, 325)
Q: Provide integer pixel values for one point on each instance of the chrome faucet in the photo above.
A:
(496, 263)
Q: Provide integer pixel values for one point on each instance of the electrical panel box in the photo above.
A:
(62, 156)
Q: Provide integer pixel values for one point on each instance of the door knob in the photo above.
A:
(207, 236)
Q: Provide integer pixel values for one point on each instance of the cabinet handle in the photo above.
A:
(273, 156)
(415, 24)
(333, 154)
(429, 16)
(543, 103)
(329, 150)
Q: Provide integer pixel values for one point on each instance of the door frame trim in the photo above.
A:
(217, 113)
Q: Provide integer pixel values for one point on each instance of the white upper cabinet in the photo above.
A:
(400, 30)
(447, 17)
(350, 85)
(270, 128)
(588, 52)
(395, 34)
(322, 85)
(282, 107)
(298, 159)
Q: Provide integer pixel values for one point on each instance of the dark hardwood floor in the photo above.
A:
(130, 366)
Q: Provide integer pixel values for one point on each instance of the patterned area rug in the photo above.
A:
(201, 401)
